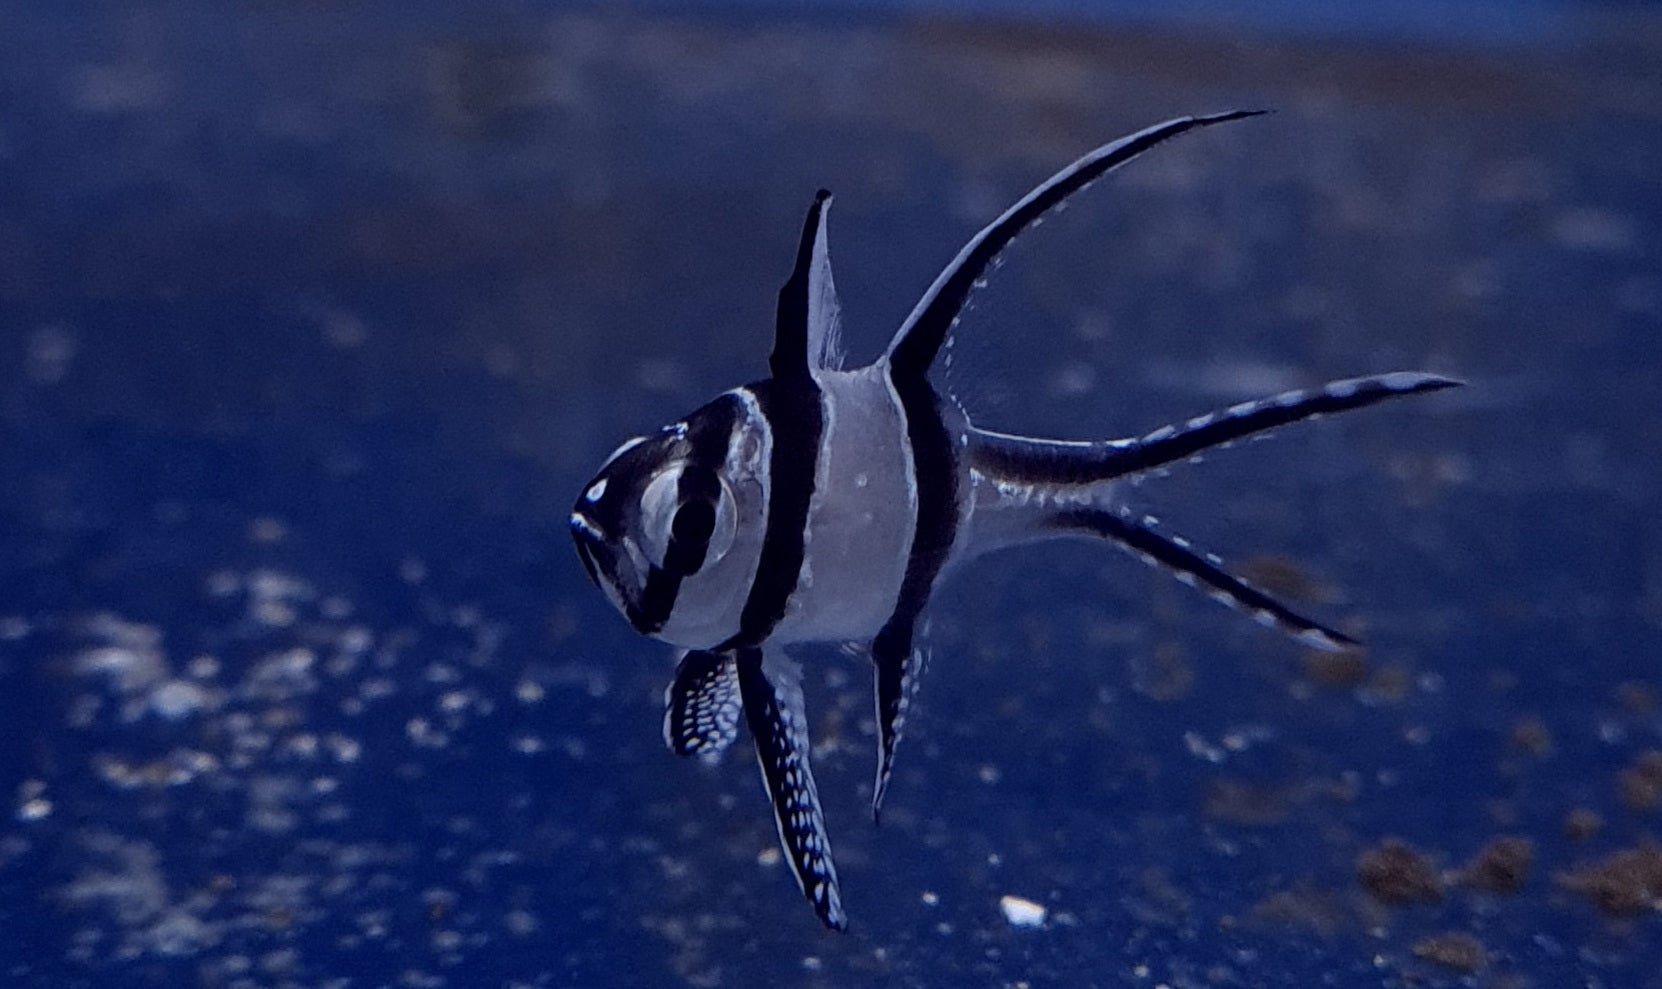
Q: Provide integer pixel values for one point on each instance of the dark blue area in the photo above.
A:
(314, 319)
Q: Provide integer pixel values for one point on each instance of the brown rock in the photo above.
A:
(1642, 782)
(1501, 866)
(1582, 824)
(1625, 884)
(1531, 735)
(1396, 874)
(1455, 949)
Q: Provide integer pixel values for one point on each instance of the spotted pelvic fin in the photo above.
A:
(774, 711)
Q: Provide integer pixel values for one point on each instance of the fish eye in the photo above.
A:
(724, 516)
(694, 523)
(687, 519)
(658, 503)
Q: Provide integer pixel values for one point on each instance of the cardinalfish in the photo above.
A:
(823, 504)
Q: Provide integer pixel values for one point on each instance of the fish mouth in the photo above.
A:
(584, 535)
(608, 570)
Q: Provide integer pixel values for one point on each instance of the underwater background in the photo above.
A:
(314, 318)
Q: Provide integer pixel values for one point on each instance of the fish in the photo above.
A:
(824, 504)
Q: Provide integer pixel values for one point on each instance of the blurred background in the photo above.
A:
(314, 318)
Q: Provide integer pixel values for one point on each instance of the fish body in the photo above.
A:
(824, 504)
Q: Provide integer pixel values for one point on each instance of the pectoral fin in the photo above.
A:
(701, 705)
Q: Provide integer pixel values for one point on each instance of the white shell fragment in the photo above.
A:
(1022, 912)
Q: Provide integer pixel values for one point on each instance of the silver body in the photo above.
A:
(863, 510)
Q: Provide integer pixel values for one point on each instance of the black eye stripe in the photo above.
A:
(700, 445)
(697, 492)
(697, 483)
(657, 601)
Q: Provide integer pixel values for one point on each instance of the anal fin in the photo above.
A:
(896, 668)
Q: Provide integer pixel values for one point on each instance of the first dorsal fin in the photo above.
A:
(920, 337)
(807, 327)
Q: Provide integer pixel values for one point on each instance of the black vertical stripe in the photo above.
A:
(794, 415)
(657, 601)
(935, 473)
(709, 430)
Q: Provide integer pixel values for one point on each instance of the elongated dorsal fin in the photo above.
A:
(920, 337)
(807, 328)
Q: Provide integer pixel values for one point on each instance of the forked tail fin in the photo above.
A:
(1200, 570)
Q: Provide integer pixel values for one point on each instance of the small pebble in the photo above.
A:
(1022, 912)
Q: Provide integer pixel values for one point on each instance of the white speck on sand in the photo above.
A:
(1022, 912)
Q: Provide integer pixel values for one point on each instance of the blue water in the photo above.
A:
(314, 320)
(1422, 22)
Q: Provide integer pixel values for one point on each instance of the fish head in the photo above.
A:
(668, 524)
